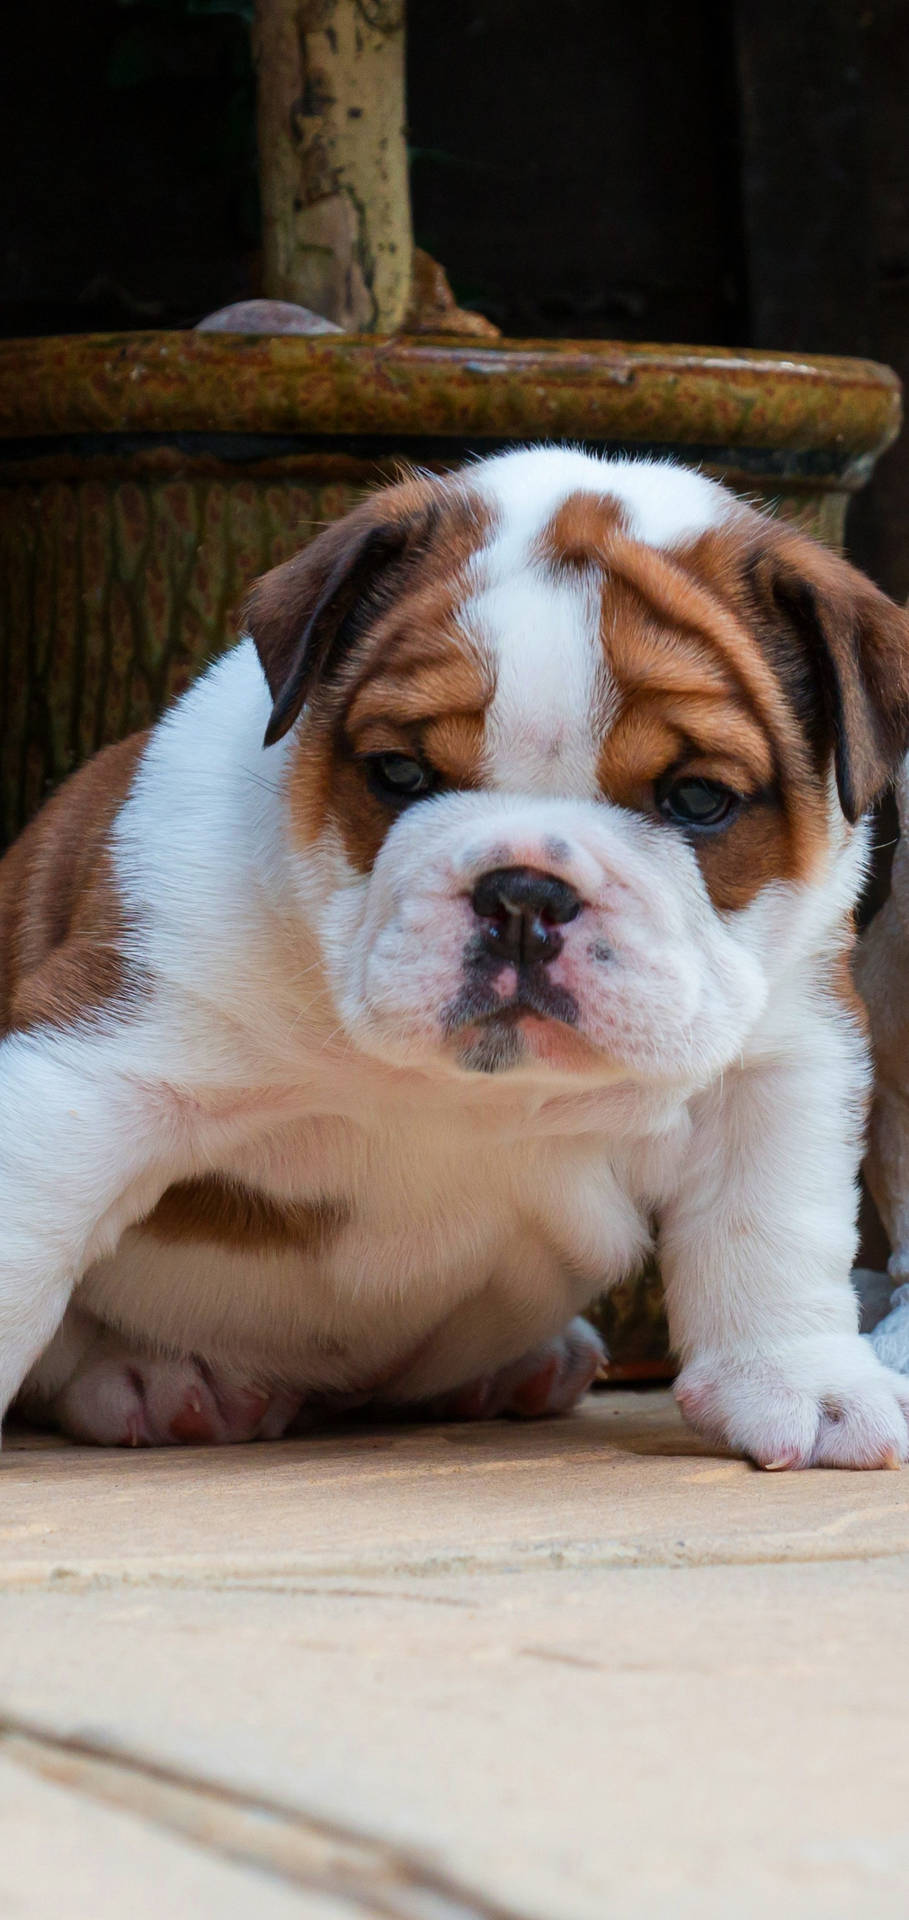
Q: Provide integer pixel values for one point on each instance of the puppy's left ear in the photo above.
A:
(855, 643)
(306, 615)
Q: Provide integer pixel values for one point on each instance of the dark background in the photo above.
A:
(730, 172)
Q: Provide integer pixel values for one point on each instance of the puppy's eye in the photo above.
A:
(394, 776)
(691, 802)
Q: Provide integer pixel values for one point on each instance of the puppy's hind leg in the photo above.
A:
(104, 1389)
(513, 1348)
(550, 1379)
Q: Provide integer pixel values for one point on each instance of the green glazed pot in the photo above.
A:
(145, 479)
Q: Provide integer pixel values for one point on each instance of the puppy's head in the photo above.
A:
(576, 750)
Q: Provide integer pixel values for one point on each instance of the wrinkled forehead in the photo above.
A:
(661, 504)
(538, 602)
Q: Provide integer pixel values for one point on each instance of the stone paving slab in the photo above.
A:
(572, 1671)
(622, 1482)
(706, 1742)
(65, 1857)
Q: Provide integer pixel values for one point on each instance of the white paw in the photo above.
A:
(823, 1402)
(550, 1379)
(136, 1400)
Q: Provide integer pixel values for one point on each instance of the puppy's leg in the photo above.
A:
(104, 1389)
(83, 1149)
(550, 1379)
(99, 1387)
(756, 1252)
(512, 1348)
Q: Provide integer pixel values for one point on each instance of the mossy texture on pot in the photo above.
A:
(146, 478)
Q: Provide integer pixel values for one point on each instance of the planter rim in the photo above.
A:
(592, 390)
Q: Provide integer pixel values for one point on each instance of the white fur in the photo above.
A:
(664, 504)
(553, 700)
(295, 1034)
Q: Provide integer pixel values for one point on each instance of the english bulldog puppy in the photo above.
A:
(479, 920)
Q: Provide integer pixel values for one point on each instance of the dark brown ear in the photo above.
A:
(306, 615)
(850, 662)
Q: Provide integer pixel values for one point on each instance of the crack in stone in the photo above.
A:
(309, 1851)
(553, 1556)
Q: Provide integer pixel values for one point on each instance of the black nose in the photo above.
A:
(521, 911)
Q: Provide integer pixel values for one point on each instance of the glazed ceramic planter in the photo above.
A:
(146, 478)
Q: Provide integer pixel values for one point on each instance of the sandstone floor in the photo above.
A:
(563, 1671)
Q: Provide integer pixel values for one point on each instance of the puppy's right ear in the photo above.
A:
(854, 643)
(306, 615)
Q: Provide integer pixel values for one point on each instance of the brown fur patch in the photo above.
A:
(696, 696)
(61, 922)
(411, 685)
(229, 1215)
(836, 645)
(300, 611)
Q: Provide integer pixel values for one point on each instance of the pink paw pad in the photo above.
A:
(146, 1402)
(549, 1380)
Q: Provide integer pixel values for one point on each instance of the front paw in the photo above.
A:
(821, 1402)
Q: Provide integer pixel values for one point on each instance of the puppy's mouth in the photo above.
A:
(478, 1003)
(491, 1033)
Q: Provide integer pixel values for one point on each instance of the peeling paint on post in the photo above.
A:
(336, 228)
